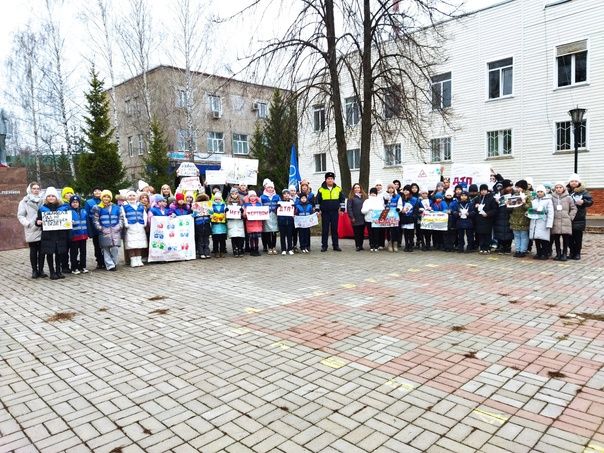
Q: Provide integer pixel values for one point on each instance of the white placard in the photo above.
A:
(240, 171)
(56, 220)
(215, 177)
(285, 209)
(425, 176)
(233, 212)
(306, 221)
(468, 174)
(172, 238)
(187, 169)
(189, 183)
(256, 212)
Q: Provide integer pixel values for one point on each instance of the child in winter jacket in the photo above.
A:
(541, 214)
(450, 236)
(271, 226)
(519, 222)
(438, 205)
(286, 224)
(78, 235)
(370, 205)
(180, 207)
(203, 227)
(236, 229)
(253, 227)
(463, 212)
(304, 207)
(219, 226)
(486, 210)
(55, 243)
(135, 221)
(109, 222)
(393, 202)
(408, 215)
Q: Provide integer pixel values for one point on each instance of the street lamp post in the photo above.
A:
(576, 116)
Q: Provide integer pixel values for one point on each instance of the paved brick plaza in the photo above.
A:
(331, 352)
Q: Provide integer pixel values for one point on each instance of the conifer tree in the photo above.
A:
(157, 163)
(100, 164)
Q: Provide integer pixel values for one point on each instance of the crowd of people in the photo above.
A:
(484, 218)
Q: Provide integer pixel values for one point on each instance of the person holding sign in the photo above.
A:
(541, 214)
(394, 203)
(135, 223)
(55, 220)
(235, 226)
(253, 227)
(271, 225)
(304, 208)
(356, 198)
(371, 204)
(109, 222)
(285, 219)
(583, 200)
(203, 227)
(219, 227)
(519, 222)
(486, 210)
(78, 236)
(464, 213)
(564, 213)
(330, 200)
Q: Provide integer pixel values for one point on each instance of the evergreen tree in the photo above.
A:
(157, 163)
(271, 144)
(100, 165)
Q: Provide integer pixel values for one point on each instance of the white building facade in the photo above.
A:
(513, 72)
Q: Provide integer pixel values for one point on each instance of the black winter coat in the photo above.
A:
(579, 222)
(484, 225)
(54, 241)
(501, 226)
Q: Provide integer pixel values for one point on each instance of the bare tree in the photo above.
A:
(25, 75)
(58, 90)
(380, 51)
(136, 40)
(102, 32)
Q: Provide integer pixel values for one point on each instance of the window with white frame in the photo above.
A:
(441, 91)
(393, 155)
(141, 144)
(353, 113)
(262, 111)
(499, 143)
(320, 162)
(571, 63)
(182, 140)
(130, 147)
(181, 98)
(565, 136)
(354, 158)
(215, 104)
(501, 78)
(215, 142)
(318, 113)
(440, 149)
(240, 144)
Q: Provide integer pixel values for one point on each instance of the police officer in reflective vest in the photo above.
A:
(330, 200)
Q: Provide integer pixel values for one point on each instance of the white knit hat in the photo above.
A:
(51, 191)
(574, 177)
(540, 188)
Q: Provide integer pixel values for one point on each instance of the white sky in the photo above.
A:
(230, 41)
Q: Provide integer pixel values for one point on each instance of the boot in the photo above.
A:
(390, 247)
(563, 257)
(395, 247)
(558, 257)
(133, 261)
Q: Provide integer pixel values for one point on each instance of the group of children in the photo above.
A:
(476, 219)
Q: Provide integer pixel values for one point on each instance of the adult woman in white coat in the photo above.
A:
(27, 214)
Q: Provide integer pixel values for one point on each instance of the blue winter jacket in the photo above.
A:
(89, 206)
(304, 209)
(272, 202)
(157, 212)
(219, 228)
(467, 223)
(79, 227)
(439, 207)
(134, 215)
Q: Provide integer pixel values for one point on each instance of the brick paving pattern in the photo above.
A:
(328, 352)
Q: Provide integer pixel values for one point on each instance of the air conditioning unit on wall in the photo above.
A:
(216, 114)
(255, 106)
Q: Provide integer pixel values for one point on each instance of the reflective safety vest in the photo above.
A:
(109, 216)
(134, 214)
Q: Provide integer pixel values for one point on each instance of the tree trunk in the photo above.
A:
(366, 107)
(336, 100)
(34, 121)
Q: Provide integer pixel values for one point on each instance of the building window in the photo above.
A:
(215, 142)
(499, 143)
(320, 162)
(565, 136)
(319, 117)
(392, 154)
(441, 91)
(262, 110)
(354, 158)
(571, 61)
(353, 114)
(240, 144)
(130, 147)
(501, 78)
(141, 145)
(182, 140)
(440, 149)
(181, 98)
(215, 104)
(392, 104)
(128, 103)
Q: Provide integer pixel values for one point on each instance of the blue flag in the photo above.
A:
(294, 170)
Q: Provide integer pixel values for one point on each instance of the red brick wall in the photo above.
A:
(13, 185)
(598, 206)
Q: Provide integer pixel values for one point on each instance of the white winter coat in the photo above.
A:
(136, 235)
(540, 227)
(27, 214)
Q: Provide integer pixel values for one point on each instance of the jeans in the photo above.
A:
(304, 234)
(111, 256)
(521, 239)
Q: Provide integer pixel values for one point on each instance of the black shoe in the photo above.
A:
(575, 257)
(337, 249)
(35, 274)
(60, 275)
(113, 269)
(563, 258)
(54, 276)
(323, 249)
(537, 257)
(557, 258)
(43, 274)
